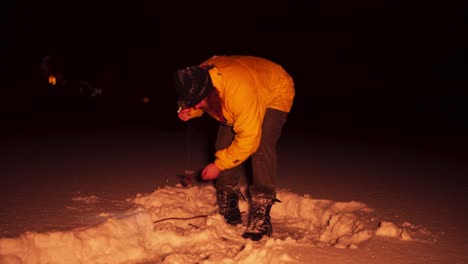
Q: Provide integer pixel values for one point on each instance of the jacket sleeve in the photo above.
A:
(195, 113)
(247, 125)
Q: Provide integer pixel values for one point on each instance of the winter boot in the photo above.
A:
(228, 202)
(259, 217)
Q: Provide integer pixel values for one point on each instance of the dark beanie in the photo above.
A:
(192, 85)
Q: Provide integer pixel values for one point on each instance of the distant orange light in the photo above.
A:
(52, 80)
(146, 100)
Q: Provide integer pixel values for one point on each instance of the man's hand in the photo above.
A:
(184, 114)
(210, 172)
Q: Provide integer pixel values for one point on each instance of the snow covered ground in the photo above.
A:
(115, 198)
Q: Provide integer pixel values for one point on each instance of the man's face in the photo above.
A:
(202, 105)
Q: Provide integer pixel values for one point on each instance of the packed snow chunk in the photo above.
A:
(339, 224)
(389, 229)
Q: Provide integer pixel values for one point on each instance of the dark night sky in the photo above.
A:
(371, 63)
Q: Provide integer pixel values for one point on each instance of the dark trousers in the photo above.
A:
(264, 160)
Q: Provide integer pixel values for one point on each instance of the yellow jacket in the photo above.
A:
(247, 86)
